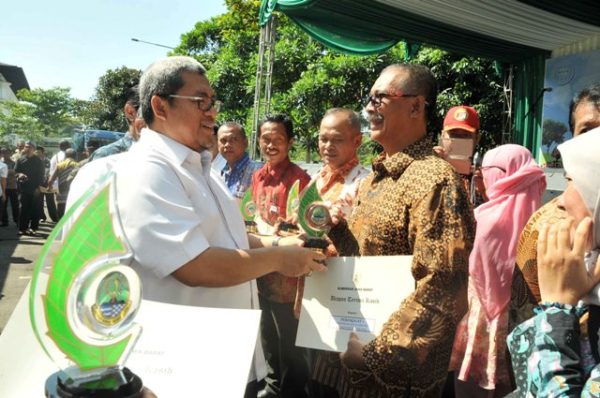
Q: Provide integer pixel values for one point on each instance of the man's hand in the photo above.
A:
(562, 273)
(353, 357)
(440, 151)
(297, 261)
(336, 213)
(293, 240)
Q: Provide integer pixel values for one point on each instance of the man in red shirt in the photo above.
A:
(287, 364)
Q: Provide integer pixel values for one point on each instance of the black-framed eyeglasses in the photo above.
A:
(375, 99)
(204, 103)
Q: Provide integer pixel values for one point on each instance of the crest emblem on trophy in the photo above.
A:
(248, 209)
(83, 300)
(314, 218)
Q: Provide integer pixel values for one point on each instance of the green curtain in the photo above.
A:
(368, 27)
(528, 85)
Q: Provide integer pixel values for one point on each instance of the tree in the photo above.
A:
(39, 113)
(18, 118)
(105, 111)
(308, 78)
(553, 131)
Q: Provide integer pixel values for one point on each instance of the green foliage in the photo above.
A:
(53, 112)
(39, 113)
(467, 81)
(309, 78)
(105, 111)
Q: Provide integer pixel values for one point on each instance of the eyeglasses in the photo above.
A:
(204, 103)
(375, 99)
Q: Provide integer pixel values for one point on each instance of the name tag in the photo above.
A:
(274, 209)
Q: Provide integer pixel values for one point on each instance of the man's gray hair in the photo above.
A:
(420, 81)
(351, 117)
(163, 78)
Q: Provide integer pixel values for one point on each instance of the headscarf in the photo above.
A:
(514, 185)
(581, 160)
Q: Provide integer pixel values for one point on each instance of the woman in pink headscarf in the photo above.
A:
(514, 185)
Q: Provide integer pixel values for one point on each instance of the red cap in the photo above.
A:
(462, 117)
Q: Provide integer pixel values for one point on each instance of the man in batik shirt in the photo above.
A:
(287, 364)
(237, 172)
(413, 203)
(339, 139)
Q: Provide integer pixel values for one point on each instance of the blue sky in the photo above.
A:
(70, 43)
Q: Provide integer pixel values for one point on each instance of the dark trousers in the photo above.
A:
(51, 206)
(288, 366)
(29, 217)
(12, 196)
(60, 209)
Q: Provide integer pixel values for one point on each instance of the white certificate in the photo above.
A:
(355, 294)
(182, 352)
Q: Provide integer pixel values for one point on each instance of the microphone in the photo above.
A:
(548, 89)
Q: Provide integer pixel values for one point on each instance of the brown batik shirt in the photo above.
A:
(525, 291)
(413, 203)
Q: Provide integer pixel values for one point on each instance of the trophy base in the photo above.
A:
(251, 227)
(317, 244)
(58, 386)
(288, 229)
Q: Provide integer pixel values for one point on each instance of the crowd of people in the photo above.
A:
(506, 292)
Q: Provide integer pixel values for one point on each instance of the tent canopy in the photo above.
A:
(505, 30)
(519, 32)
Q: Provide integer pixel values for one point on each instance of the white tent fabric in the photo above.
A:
(509, 20)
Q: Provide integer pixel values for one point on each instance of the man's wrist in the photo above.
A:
(275, 241)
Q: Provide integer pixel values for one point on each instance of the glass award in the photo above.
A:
(248, 209)
(314, 217)
(84, 298)
(291, 210)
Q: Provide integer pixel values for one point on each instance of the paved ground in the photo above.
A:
(17, 257)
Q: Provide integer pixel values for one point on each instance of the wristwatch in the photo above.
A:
(275, 241)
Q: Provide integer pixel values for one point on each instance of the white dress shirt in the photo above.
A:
(172, 209)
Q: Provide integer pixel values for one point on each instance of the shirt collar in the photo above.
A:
(342, 171)
(276, 171)
(240, 164)
(175, 151)
(395, 165)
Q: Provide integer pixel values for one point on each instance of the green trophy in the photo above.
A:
(314, 218)
(248, 208)
(293, 202)
(83, 299)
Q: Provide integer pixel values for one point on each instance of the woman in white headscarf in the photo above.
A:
(545, 350)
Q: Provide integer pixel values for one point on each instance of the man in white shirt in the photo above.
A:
(188, 237)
